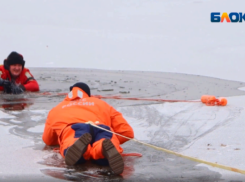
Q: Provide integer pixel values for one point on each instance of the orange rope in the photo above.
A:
(127, 98)
(122, 98)
(211, 102)
(132, 154)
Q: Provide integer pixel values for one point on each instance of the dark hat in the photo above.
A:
(14, 58)
(82, 86)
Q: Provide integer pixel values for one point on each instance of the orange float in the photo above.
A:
(222, 101)
(211, 100)
(208, 99)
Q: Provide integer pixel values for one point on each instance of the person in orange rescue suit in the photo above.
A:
(67, 126)
(14, 77)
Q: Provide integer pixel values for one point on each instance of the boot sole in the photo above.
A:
(75, 152)
(113, 156)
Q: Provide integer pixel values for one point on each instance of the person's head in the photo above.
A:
(82, 86)
(14, 63)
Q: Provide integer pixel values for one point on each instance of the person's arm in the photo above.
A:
(30, 83)
(49, 136)
(32, 86)
(120, 126)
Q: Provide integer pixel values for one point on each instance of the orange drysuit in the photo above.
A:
(67, 122)
(26, 79)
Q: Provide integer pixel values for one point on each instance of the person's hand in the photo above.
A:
(4, 83)
(17, 89)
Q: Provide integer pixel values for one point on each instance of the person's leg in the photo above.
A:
(106, 149)
(113, 156)
(98, 136)
(75, 143)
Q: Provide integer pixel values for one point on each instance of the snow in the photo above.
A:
(214, 134)
(225, 145)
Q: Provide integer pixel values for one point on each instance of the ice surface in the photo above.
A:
(166, 36)
(190, 128)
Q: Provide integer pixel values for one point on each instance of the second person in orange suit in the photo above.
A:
(79, 141)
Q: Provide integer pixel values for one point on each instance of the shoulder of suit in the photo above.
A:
(27, 73)
(1, 67)
(2, 70)
(26, 69)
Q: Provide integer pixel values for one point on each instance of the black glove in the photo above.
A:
(17, 89)
(4, 83)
